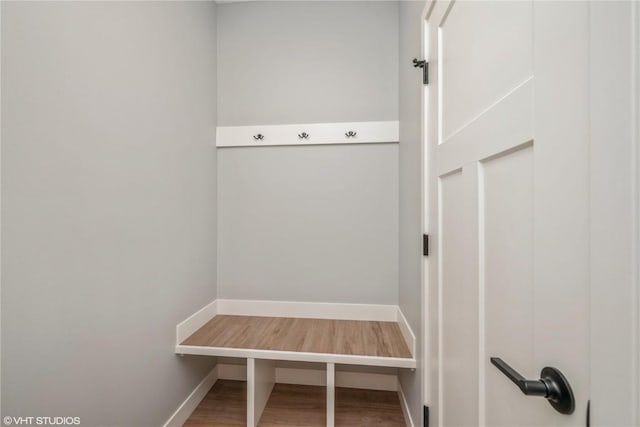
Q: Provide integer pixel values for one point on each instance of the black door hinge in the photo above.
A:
(425, 416)
(425, 69)
(425, 244)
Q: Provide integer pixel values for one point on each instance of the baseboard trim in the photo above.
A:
(316, 377)
(181, 415)
(195, 321)
(405, 407)
(407, 332)
(309, 310)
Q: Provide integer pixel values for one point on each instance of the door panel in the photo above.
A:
(506, 227)
(486, 51)
(459, 323)
(508, 168)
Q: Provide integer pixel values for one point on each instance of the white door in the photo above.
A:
(508, 174)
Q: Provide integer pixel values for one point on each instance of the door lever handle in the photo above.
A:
(528, 387)
(552, 385)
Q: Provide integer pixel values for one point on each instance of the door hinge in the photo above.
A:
(425, 244)
(425, 416)
(425, 69)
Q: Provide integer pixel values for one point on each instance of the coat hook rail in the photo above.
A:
(304, 134)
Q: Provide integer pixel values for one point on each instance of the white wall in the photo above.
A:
(308, 223)
(307, 62)
(108, 205)
(410, 283)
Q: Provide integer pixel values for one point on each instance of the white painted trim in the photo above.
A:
(0, 208)
(297, 356)
(513, 108)
(251, 394)
(261, 378)
(614, 149)
(405, 407)
(424, 211)
(181, 415)
(319, 134)
(309, 310)
(635, 117)
(317, 377)
(407, 333)
(331, 394)
(195, 321)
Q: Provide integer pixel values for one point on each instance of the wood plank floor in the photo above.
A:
(364, 408)
(224, 406)
(351, 337)
(295, 405)
(298, 405)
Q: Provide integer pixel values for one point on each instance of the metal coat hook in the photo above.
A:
(303, 135)
(258, 137)
(351, 134)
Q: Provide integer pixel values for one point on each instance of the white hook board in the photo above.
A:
(316, 134)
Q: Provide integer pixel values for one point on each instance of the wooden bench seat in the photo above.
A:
(315, 340)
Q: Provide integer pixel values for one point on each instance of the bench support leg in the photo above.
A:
(261, 377)
(331, 394)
